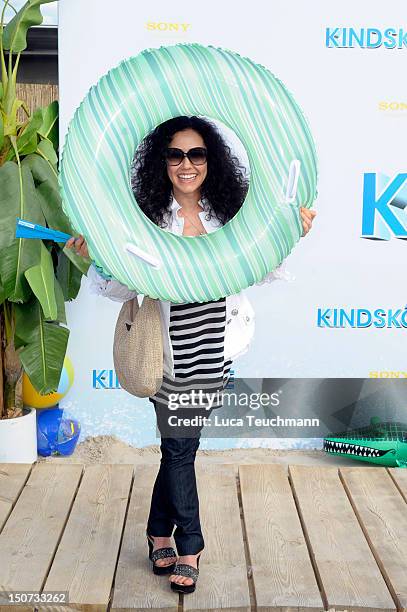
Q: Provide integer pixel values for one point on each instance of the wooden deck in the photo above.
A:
(310, 538)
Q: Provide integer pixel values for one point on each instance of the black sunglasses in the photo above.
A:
(197, 156)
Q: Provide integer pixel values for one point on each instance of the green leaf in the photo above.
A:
(28, 139)
(18, 342)
(42, 346)
(10, 109)
(9, 202)
(46, 149)
(30, 146)
(82, 263)
(15, 32)
(1, 129)
(49, 126)
(60, 300)
(48, 193)
(51, 205)
(17, 254)
(12, 205)
(69, 277)
(47, 190)
(14, 261)
(42, 282)
(3, 295)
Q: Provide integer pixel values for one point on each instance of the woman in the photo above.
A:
(187, 182)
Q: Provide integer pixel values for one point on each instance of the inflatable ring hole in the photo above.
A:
(152, 179)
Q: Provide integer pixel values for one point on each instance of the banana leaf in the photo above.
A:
(1, 130)
(46, 149)
(48, 194)
(41, 344)
(15, 32)
(3, 295)
(68, 276)
(15, 204)
(41, 279)
(61, 315)
(27, 141)
(10, 205)
(51, 206)
(14, 261)
(49, 126)
(60, 300)
(81, 263)
(17, 255)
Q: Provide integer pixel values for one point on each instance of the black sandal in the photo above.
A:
(189, 571)
(160, 553)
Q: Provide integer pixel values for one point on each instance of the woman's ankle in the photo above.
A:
(186, 555)
(159, 539)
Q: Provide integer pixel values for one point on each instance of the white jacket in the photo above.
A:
(239, 328)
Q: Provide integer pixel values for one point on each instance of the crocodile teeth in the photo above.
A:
(351, 449)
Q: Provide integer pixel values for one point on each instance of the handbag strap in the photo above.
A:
(146, 301)
(130, 319)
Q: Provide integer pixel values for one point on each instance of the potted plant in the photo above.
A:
(36, 276)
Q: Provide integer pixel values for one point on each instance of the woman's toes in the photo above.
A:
(175, 578)
(180, 579)
(167, 561)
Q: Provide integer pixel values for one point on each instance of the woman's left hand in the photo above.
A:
(307, 216)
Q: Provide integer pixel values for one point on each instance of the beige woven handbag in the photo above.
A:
(138, 347)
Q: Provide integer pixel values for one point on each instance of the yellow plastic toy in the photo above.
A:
(31, 397)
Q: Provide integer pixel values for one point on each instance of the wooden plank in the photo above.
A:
(399, 475)
(85, 561)
(31, 534)
(136, 587)
(222, 583)
(348, 574)
(382, 513)
(283, 576)
(12, 479)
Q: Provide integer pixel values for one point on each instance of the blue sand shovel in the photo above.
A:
(26, 229)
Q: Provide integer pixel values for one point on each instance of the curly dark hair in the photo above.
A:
(224, 187)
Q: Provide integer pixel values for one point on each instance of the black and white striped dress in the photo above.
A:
(197, 334)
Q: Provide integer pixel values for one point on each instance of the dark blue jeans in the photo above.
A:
(174, 501)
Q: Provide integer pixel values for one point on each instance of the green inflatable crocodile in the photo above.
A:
(380, 443)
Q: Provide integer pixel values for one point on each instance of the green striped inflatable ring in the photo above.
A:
(131, 100)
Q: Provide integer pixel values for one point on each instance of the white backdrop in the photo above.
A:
(354, 99)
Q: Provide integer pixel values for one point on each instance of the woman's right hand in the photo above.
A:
(79, 244)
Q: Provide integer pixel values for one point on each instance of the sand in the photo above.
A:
(110, 449)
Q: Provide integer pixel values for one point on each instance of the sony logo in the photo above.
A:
(163, 26)
(392, 106)
(387, 374)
